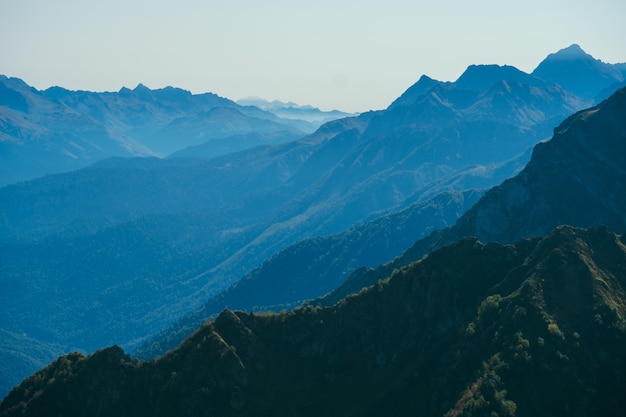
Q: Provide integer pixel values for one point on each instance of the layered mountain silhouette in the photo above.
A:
(535, 328)
(575, 70)
(243, 294)
(57, 130)
(294, 111)
(313, 267)
(493, 325)
(115, 252)
(576, 178)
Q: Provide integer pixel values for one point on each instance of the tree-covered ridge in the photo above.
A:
(535, 328)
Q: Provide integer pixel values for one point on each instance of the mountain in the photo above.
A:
(417, 90)
(115, 252)
(121, 249)
(20, 354)
(482, 77)
(55, 130)
(312, 267)
(575, 70)
(236, 143)
(293, 111)
(576, 178)
(39, 136)
(535, 328)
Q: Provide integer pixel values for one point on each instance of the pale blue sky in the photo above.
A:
(351, 55)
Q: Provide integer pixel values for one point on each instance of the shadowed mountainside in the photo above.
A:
(579, 72)
(578, 178)
(538, 328)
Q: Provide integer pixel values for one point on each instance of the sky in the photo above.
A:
(348, 55)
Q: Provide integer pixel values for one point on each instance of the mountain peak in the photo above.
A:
(141, 87)
(481, 77)
(577, 71)
(417, 90)
(572, 52)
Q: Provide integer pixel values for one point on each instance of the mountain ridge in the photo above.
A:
(575, 178)
(313, 267)
(64, 130)
(579, 72)
(291, 110)
(505, 322)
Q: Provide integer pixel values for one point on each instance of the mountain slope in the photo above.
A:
(222, 146)
(532, 329)
(20, 354)
(577, 178)
(579, 72)
(482, 77)
(92, 276)
(313, 267)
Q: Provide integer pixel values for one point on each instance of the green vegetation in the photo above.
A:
(468, 328)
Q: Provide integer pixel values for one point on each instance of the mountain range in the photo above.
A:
(308, 268)
(535, 328)
(576, 178)
(57, 130)
(313, 267)
(294, 111)
(114, 252)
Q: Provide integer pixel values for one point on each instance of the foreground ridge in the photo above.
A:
(535, 328)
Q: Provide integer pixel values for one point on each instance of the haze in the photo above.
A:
(349, 55)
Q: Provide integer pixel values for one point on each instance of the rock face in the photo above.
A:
(535, 328)
(577, 178)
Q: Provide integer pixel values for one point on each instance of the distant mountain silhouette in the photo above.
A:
(56, 130)
(41, 136)
(416, 91)
(575, 70)
(535, 328)
(294, 111)
(312, 267)
(482, 77)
